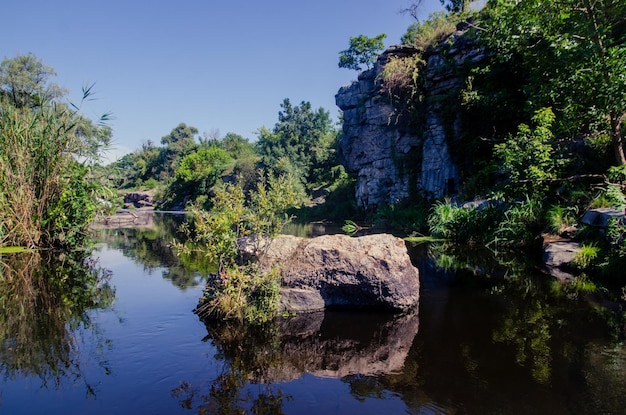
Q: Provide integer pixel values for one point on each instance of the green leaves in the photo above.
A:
(527, 158)
(363, 51)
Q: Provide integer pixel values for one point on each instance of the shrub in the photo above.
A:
(44, 192)
(241, 289)
(428, 34)
(519, 226)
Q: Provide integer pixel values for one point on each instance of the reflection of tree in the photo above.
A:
(150, 246)
(250, 351)
(534, 309)
(43, 301)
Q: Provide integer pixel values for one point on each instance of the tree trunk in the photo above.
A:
(617, 139)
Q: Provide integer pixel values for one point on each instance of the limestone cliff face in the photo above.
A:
(390, 157)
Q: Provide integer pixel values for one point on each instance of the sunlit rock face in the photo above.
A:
(392, 156)
(338, 271)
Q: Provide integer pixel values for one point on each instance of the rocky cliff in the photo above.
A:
(392, 157)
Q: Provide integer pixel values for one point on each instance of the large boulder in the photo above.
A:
(338, 271)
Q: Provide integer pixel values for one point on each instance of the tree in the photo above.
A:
(202, 168)
(182, 135)
(363, 51)
(24, 80)
(574, 52)
(528, 158)
(299, 142)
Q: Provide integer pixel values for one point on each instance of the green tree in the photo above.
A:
(24, 81)
(363, 51)
(300, 143)
(202, 168)
(575, 56)
(527, 158)
(241, 289)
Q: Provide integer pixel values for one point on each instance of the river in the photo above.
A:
(115, 334)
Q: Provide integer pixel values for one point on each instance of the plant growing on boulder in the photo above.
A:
(240, 289)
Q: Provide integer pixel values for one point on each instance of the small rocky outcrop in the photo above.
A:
(338, 271)
(600, 217)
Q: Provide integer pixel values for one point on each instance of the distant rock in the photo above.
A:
(338, 271)
(138, 200)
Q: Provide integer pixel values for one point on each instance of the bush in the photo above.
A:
(241, 289)
(520, 226)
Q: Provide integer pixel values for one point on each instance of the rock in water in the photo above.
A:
(338, 271)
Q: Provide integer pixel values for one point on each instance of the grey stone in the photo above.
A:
(376, 137)
(372, 271)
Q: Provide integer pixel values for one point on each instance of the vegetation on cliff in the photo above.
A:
(541, 117)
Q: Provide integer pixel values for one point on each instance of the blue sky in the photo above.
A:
(216, 65)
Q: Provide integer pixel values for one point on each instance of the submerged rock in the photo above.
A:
(338, 271)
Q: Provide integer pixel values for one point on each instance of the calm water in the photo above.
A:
(486, 340)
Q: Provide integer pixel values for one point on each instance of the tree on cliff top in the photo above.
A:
(362, 51)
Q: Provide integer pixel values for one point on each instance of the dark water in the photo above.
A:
(121, 339)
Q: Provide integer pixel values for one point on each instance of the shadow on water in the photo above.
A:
(44, 299)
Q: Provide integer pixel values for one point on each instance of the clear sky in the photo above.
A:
(216, 65)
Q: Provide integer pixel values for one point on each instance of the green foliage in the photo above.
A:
(586, 256)
(560, 218)
(616, 234)
(520, 226)
(401, 82)
(301, 144)
(350, 227)
(467, 225)
(527, 158)
(573, 55)
(241, 289)
(429, 33)
(609, 196)
(363, 51)
(46, 197)
(24, 82)
(203, 167)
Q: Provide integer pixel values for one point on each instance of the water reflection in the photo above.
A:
(44, 298)
(150, 246)
(355, 347)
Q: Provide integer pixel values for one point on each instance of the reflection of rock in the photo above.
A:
(341, 271)
(340, 344)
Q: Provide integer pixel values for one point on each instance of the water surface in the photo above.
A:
(486, 339)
